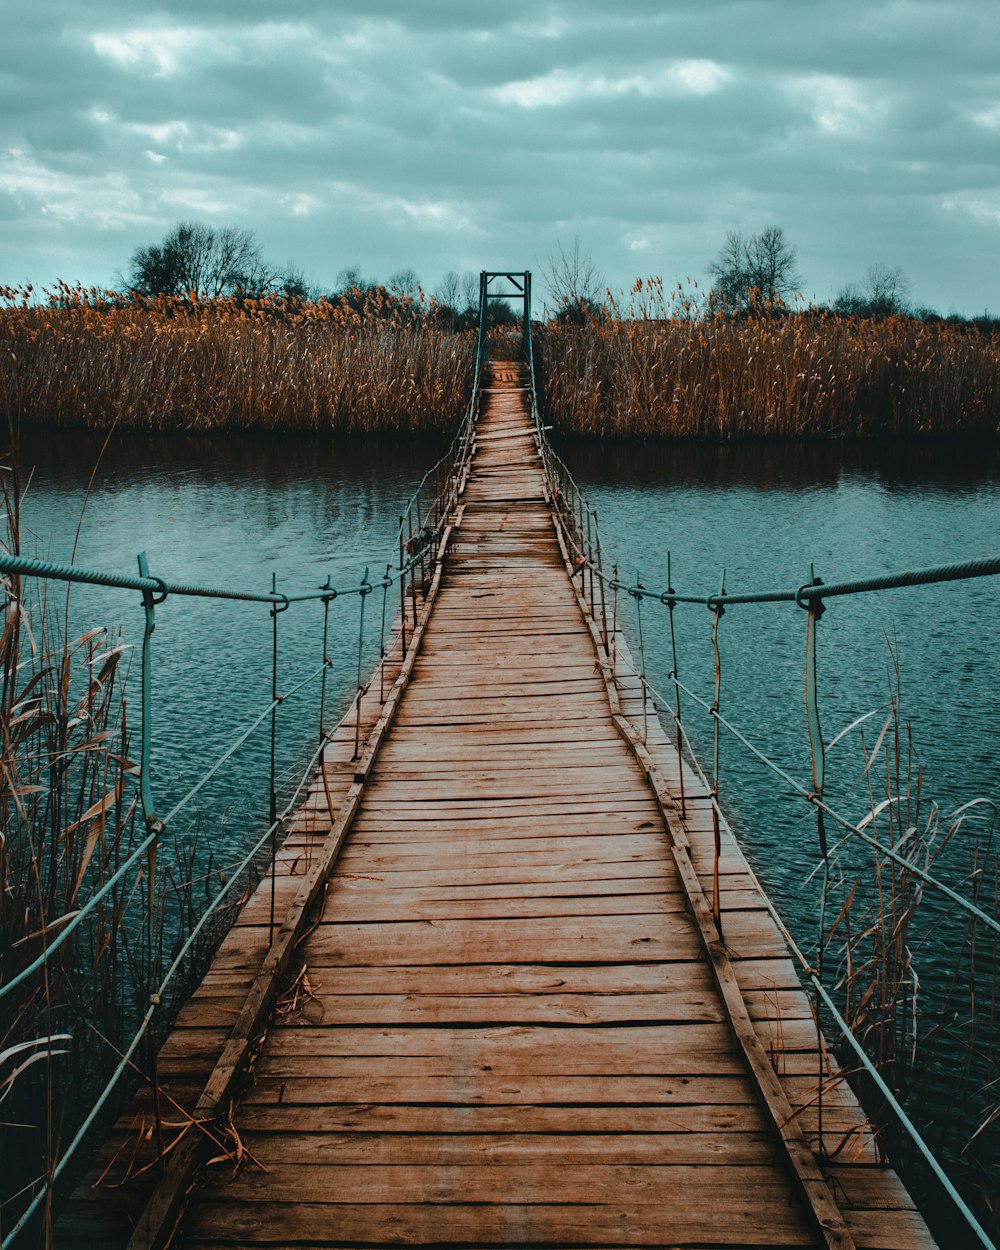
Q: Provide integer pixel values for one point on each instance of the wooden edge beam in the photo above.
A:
(165, 1207)
(824, 1214)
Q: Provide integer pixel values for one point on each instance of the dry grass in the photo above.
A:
(656, 370)
(918, 978)
(88, 358)
(68, 818)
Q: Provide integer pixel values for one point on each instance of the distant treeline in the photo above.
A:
(372, 358)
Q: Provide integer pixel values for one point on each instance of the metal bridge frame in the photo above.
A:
(578, 525)
(520, 280)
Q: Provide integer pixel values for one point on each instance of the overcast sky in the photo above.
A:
(451, 134)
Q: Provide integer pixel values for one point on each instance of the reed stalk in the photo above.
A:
(655, 370)
(919, 983)
(89, 358)
(68, 819)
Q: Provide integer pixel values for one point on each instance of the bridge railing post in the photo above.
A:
(670, 603)
(817, 759)
(718, 610)
(149, 602)
(327, 600)
(276, 609)
(365, 591)
(590, 565)
(386, 583)
(600, 582)
(412, 563)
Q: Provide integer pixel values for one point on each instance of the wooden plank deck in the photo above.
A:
(507, 1031)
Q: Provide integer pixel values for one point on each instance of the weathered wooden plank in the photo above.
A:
(675, 1188)
(744, 1217)
(324, 1089)
(538, 1149)
(508, 1031)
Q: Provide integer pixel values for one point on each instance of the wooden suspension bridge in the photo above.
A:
(482, 999)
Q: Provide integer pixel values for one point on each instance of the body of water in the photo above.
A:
(766, 515)
(226, 513)
(229, 512)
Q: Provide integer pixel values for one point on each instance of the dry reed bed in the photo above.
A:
(377, 363)
(917, 979)
(69, 820)
(91, 359)
(780, 376)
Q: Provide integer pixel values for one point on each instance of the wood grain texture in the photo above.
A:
(509, 1031)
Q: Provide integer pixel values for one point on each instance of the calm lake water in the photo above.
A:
(764, 514)
(229, 512)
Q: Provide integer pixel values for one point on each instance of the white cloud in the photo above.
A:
(988, 118)
(564, 86)
(182, 136)
(164, 51)
(101, 201)
(195, 200)
(161, 52)
(699, 77)
(302, 204)
(839, 105)
(982, 208)
(438, 214)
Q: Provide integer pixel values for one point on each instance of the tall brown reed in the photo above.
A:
(68, 821)
(918, 980)
(656, 370)
(90, 358)
(68, 817)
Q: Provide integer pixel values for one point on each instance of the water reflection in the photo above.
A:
(768, 466)
(764, 515)
(225, 512)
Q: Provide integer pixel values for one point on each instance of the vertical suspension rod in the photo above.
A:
(718, 613)
(677, 690)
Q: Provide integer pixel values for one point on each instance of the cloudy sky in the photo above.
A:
(455, 135)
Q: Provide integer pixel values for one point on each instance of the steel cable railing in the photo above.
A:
(577, 521)
(422, 523)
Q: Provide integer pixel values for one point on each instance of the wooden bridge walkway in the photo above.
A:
(512, 1021)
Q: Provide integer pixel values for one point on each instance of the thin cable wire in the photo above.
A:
(146, 843)
(155, 1000)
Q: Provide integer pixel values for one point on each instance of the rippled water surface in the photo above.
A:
(764, 514)
(227, 513)
(231, 512)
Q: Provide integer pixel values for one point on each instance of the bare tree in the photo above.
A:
(469, 298)
(350, 279)
(884, 293)
(195, 259)
(448, 290)
(888, 290)
(757, 270)
(576, 286)
(404, 282)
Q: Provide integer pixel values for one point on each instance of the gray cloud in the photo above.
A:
(441, 136)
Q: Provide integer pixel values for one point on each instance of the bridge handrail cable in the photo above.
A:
(420, 524)
(571, 508)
